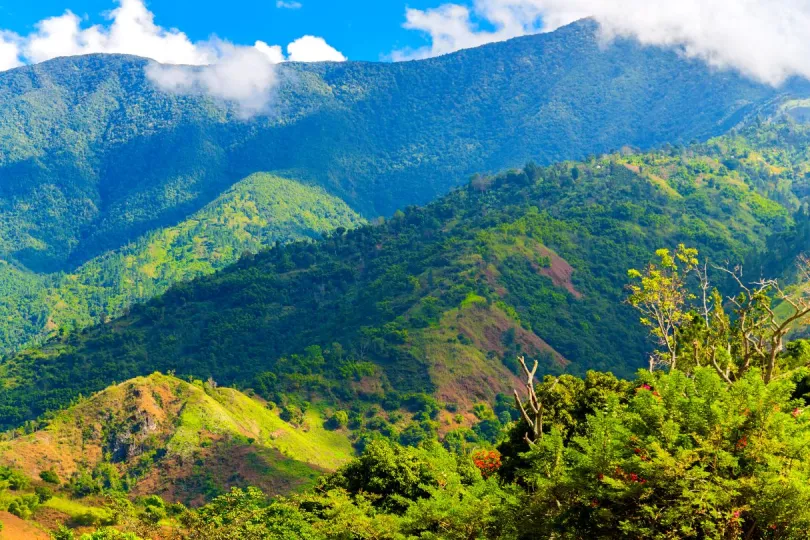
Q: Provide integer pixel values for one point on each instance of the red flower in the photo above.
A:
(487, 461)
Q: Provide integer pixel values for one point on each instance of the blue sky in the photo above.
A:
(360, 29)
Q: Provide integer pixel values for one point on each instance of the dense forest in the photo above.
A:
(442, 299)
(257, 212)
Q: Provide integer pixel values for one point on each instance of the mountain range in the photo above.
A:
(94, 157)
(192, 300)
(443, 298)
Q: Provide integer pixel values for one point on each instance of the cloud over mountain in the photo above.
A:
(243, 74)
(768, 40)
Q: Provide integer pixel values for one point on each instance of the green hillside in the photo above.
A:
(441, 299)
(186, 442)
(697, 449)
(255, 213)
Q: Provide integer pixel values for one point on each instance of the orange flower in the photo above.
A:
(487, 461)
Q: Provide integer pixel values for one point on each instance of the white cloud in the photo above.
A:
(281, 4)
(768, 40)
(313, 49)
(242, 74)
(272, 52)
(131, 31)
(9, 52)
(451, 27)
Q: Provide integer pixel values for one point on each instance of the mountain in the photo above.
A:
(442, 299)
(95, 158)
(256, 212)
(184, 441)
(93, 155)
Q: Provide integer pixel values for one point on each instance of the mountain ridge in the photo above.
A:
(94, 157)
(374, 128)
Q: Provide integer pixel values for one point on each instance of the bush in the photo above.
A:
(49, 476)
(43, 494)
(339, 419)
(176, 509)
(153, 514)
(83, 484)
(355, 420)
(87, 519)
(15, 479)
(108, 478)
(62, 533)
(23, 507)
(153, 500)
(292, 414)
(423, 403)
(414, 435)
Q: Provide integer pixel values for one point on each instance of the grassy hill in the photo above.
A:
(256, 212)
(442, 299)
(184, 441)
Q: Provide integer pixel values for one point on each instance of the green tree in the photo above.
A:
(662, 298)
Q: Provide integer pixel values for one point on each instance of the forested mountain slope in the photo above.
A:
(441, 299)
(256, 212)
(92, 154)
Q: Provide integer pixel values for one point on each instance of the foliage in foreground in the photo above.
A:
(703, 450)
(670, 456)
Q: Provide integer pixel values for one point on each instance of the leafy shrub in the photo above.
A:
(420, 402)
(176, 509)
(87, 519)
(414, 434)
(14, 479)
(339, 419)
(49, 476)
(152, 515)
(43, 494)
(292, 414)
(82, 484)
(23, 506)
